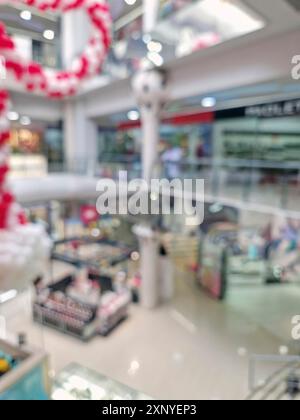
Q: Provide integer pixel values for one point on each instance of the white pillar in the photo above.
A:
(148, 241)
(75, 34)
(150, 94)
(80, 133)
(150, 141)
(149, 88)
(151, 8)
(80, 139)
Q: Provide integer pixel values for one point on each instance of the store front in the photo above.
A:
(37, 148)
(257, 150)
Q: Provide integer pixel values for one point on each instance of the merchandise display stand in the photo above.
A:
(79, 383)
(98, 254)
(55, 307)
(90, 303)
(213, 267)
(27, 377)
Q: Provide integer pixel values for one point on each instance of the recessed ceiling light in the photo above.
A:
(13, 116)
(25, 15)
(133, 115)
(49, 34)
(209, 102)
(25, 120)
(130, 2)
(147, 38)
(155, 47)
(156, 58)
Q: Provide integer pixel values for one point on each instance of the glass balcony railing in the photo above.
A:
(253, 183)
(249, 182)
(112, 168)
(246, 183)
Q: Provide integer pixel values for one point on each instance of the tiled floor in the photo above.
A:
(193, 348)
(272, 307)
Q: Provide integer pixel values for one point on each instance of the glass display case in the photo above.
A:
(79, 383)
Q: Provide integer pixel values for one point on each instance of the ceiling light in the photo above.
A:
(49, 34)
(13, 116)
(25, 120)
(155, 58)
(155, 47)
(133, 115)
(147, 38)
(25, 15)
(209, 102)
(130, 2)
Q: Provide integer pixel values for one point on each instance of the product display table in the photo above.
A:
(64, 308)
(79, 383)
(100, 253)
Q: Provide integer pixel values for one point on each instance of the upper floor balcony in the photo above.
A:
(178, 29)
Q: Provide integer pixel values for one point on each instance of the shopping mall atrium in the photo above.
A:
(149, 209)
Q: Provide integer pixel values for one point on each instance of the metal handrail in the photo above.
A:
(235, 163)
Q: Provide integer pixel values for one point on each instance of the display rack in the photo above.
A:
(72, 316)
(64, 252)
(213, 259)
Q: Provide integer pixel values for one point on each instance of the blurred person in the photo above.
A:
(200, 155)
(171, 159)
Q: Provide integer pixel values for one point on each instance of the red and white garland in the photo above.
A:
(24, 247)
(53, 84)
(59, 84)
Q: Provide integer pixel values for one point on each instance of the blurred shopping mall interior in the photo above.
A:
(111, 289)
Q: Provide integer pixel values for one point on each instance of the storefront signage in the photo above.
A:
(279, 109)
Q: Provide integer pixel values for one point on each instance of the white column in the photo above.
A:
(80, 133)
(150, 93)
(75, 34)
(151, 8)
(149, 88)
(150, 141)
(148, 241)
(80, 139)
